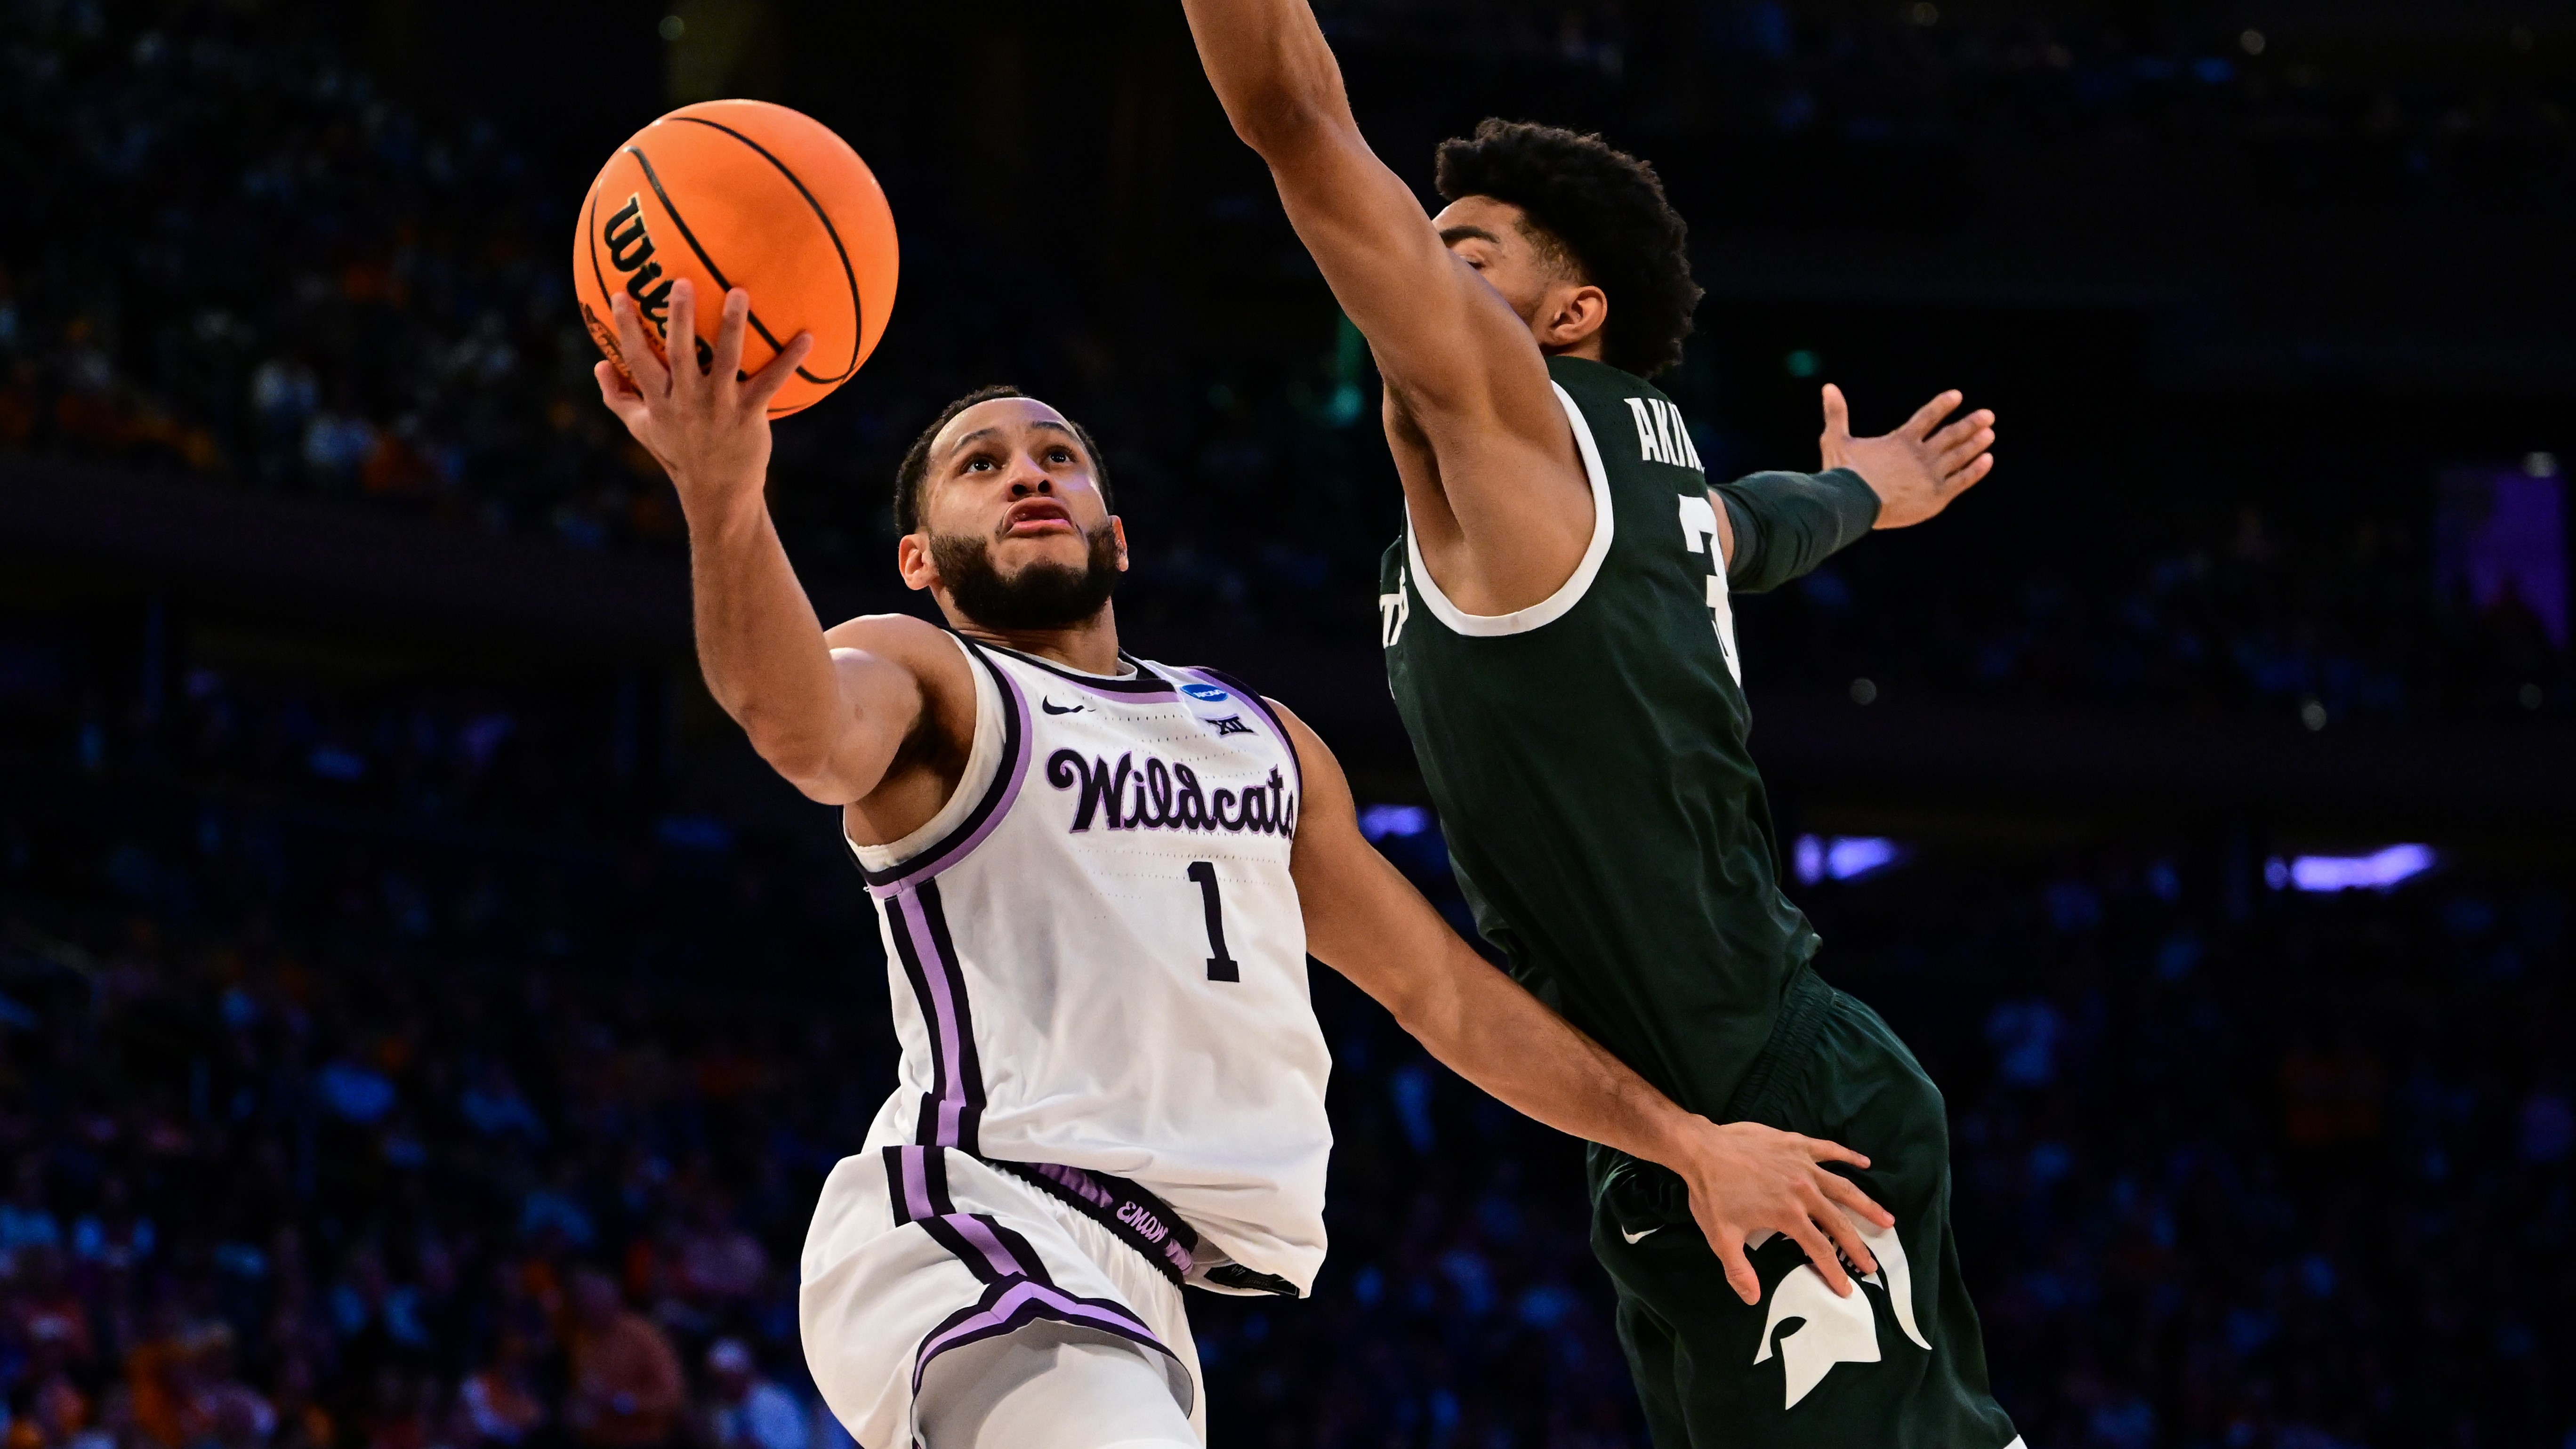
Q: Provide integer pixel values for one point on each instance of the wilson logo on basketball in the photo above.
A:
(630, 251)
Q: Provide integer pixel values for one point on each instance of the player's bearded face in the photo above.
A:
(1040, 594)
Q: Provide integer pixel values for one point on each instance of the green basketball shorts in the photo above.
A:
(1899, 1364)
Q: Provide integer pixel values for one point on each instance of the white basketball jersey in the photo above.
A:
(1097, 958)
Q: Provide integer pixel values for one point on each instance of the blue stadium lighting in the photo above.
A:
(1382, 822)
(1843, 857)
(2378, 871)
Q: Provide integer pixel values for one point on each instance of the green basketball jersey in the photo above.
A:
(1587, 757)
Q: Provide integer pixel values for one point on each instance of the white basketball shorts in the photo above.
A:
(916, 1253)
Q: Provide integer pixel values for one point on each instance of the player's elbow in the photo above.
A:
(1292, 115)
(805, 760)
(1422, 1003)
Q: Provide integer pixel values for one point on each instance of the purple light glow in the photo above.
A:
(2378, 871)
(1378, 822)
(1843, 857)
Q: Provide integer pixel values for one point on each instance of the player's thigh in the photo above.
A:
(1050, 1386)
(1655, 1363)
(1863, 1088)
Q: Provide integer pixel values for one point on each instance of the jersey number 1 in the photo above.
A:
(1221, 967)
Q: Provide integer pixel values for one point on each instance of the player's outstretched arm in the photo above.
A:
(1365, 920)
(1463, 372)
(1446, 338)
(830, 720)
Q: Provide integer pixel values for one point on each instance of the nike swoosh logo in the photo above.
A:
(1636, 1238)
(1051, 707)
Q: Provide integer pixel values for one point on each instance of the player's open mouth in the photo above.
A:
(1035, 517)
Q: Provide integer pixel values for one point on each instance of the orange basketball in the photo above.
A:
(751, 195)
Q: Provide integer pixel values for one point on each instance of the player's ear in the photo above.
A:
(1118, 530)
(913, 560)
(1579, 311)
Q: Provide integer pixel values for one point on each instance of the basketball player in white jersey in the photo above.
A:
(1098, 879)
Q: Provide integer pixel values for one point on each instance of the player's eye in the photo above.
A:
(1059, 455)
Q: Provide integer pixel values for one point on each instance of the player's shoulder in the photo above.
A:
(926, 649)
(887, 632)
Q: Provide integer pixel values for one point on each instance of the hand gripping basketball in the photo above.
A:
(739, 194)
(708, 428)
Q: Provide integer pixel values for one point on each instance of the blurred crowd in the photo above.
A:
(232, 253)
(2315, 620)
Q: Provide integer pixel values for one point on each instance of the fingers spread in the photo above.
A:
(1820, 1254)
(1739, 1272)
(1837, 414)
(1966, 478)
(683, 336)
(1847, 1236)
(727, 361)
(765, 383)
(1929, 416)
(1965, 428)
(1824, 1151)
(652, 379)
(614, 390)
(1965, 451)
(1846, 1192)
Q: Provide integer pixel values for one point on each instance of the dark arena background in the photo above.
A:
(402, 960)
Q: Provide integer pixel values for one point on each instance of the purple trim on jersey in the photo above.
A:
(954, 1106)
(1017, 1288)
(988, 1242)
(1269, 716)
(989, 812)
(908, 1183)
(918, 1179)
(1125, 1209)
(1009, 1306)
(1146, 687)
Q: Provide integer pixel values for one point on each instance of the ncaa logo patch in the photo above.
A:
(1207, 693)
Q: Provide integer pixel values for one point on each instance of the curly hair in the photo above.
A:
(1601, 208)
(910, 474)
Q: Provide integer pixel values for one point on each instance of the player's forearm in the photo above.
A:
(1490, 1030)
(1785, 525)
(760, 643)
(1272, 70)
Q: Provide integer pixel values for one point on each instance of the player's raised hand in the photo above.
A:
(1916, 471)
(706, 424)
(1748, 1181)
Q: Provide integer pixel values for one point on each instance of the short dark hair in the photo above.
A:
(1603, 207)
(914, 470)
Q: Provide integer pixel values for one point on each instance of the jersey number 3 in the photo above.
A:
(1699, 533)
(1221, 967)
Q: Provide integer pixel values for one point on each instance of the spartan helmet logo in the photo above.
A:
(1831, 1329)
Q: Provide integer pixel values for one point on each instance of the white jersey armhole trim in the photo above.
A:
(1568, 594)
(982, 761)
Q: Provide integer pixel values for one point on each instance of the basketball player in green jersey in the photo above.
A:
(1559, 644)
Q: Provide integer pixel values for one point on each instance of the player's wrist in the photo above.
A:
(1679, 1140)
(721, 501)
